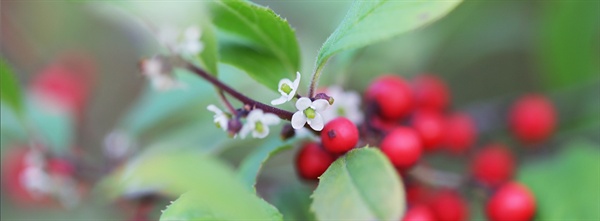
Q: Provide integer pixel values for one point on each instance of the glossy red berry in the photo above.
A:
(493, 165)
(430, 127)
(533, 118)
(460, 133)
(392, 95)
(449, 206)
(512, 201)
(312, 161)
(431, 93)
(403, 147)
(339, 135)
(419, 213)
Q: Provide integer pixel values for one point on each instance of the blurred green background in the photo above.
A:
(488, 52)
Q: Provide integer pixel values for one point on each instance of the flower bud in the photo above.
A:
(325, 97)
(234, 126)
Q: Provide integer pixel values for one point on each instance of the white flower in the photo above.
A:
(221, 118)
(309, 111)
(288, 89)
(191, 44)
(159, 74)
(258, 122)
(346, 104)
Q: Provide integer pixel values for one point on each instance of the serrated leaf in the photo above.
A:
(362, 185)
(253, 30)
(220, 205)
(251, 165)
(368, 22)
(10, 92)
(575, 167)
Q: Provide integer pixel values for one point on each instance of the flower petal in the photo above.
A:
(262, 134)
(255, 115)
(247, 128)
(214, 109)
(320, 105)
(298, 120)
(296, 81)
(284, 81)
(317, 122)
(303, 103)
(270, 119)
(279, 100)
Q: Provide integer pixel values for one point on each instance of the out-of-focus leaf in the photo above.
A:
(553, 182)
(250, 167)
(209, 57)
(10, 92)
(220, 203)
(368, 22)
(294, 202)
(253, 30)
(362, 185)
(569, 31)
(54, 128)
(11, 130)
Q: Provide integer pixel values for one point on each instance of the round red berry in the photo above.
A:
(430, 127)
(512, 201)
(533, 118)
(449, 206)
(403, 147)
(430, 93)
(312, 161)
(392, 95)
(339, 135)
(460, 132)
(419, 213)
(493, 165)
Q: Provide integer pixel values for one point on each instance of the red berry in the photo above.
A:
(449, 206)
(339, 135)
(460, 132)
(14, 167)
(60, 167)
(312, 161)
(533, 118)
(512, 201)
(493, 165)
(392, 95)
(416, 194)
(431, 93)
(419, 213)
(430, 127)
(403, 147)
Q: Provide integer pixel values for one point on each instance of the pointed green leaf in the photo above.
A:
(209, 57)
(362, 185)
(368, 22)
(10, 92)
(257, 41)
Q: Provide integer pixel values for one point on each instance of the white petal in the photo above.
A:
(255, 115)
(279, 100)
(317, 122)
(214, 109)
(270, 119)
(223, 121)
(262, 134)
(296, 81)
(284, 81)
(247, 128)
(192, 33)
(298, 120)
(320, 105)
(303, 103)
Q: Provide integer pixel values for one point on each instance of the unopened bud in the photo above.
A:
(234, 126)
(287, 132)
(325, 97)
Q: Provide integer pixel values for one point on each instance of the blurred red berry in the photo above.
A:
(60, 167)
(430, 127)
(449, 206)
(460, 132)
(493, 165)
(312, 161)
(392, 95)
(431, 93)
(14, 166)
(382, 124)
(339, 135)
(403, 147)
(419, 213)
(416, 194)
(533, 118)
(512, 201)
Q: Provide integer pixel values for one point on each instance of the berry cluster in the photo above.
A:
(411, 119)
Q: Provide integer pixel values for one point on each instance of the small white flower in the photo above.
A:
(159, 74)
(288, 89)
(309, 111)
(221, 118)
(258, 122)
(191, 44)
(36, 181)
(346, 104)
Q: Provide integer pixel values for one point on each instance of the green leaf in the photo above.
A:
(10, 93)
(55, 129)
(293, 201)
(220, 204)
(362, 185)
(257, 41)
(553, 182)
(209, 57)
(250, 167)
(368, 22)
